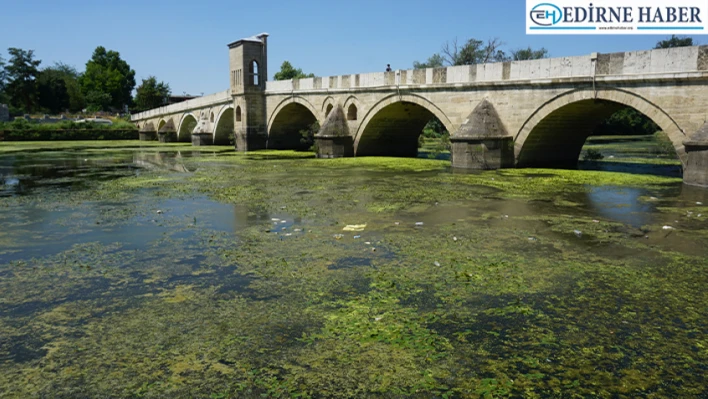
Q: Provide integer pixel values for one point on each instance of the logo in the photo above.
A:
(617, 17)
(546, 14)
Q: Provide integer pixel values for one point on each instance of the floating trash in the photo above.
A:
(596, 221)
(275, 219)
(357, 237)
(159, 212)
(699, 203)
(288, 234)
(578, 233)
(397, 223)
(354, 227)
(418, 223)
(297, 230)
(667, 227)
(338, 236)
(367, 243)
(436, 263)
(454, 238)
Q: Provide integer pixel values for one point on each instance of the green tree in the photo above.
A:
(107, 75)
(627, 121)
(434, 61)
(675, 41)
(528, 54)
(151, 94)
(473, 52)
(71, 79)
(3, 78)
(22, 75)
(287, 72)
(97, 101)
(52, 91)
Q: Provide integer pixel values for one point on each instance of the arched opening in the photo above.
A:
(292, 128)
(330, 107)
(394, 130)
(599, 135)
(253, 73)
(186, 128)
(211, 118)
(224, 127)
(238, 114)
(351, 112)
(161, 124)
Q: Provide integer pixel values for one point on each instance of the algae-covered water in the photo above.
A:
(173, 272)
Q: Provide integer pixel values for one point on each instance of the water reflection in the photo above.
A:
(173, 161)
(620, 204)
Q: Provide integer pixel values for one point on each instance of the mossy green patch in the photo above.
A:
(233, 276)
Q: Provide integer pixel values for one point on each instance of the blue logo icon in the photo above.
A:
(546, 14)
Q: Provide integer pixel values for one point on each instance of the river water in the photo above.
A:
(153, 271)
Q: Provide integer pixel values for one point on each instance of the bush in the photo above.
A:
(666, 147)
(23, 124)
(592, 155)
(307, 136)
(58, 135)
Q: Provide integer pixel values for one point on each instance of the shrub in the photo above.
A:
(592, 155)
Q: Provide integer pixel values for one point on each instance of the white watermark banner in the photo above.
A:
(616, 17)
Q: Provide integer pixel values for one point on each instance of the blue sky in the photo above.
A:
(184, 42)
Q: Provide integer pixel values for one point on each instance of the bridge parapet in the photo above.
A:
(644, 63)
(195, 103)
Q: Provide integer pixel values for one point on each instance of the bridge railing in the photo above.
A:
(659, 61)
(195, 103)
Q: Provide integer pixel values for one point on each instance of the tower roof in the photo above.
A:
(259, 38)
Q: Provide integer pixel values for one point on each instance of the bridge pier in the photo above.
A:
(250, 139)
(696, 171)
(482, 142)
(333, 139)
(147, 132)
(202, 138)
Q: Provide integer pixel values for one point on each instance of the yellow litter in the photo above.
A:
(354, 227)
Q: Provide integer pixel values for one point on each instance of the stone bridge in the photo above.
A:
(535, 113)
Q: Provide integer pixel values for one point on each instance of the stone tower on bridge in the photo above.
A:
(248, 61)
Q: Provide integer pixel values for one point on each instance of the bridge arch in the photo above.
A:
(287, 120)
(160, 124)
(392, 125)
(186, 125)
(544, 139)
(224, 126)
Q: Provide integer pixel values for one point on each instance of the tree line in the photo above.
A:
(106, 84)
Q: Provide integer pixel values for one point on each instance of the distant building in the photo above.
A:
(4, 113)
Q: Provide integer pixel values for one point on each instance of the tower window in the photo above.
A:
(253, 71)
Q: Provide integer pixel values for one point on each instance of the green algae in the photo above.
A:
(494, 295)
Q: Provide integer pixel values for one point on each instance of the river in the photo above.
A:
(136, 270)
